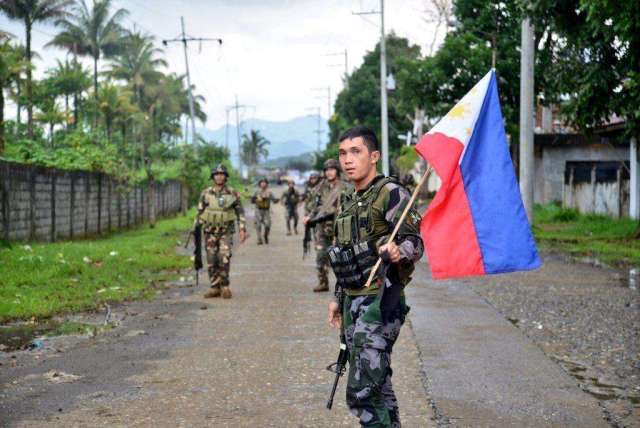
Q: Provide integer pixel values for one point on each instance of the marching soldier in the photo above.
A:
(290, 199)
(325, 204)
(371, 317)
(218, 210)
(262, 199)
(309, 189)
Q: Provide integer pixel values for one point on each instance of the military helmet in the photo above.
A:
(314, 174)
(220, 169)
(331, 163)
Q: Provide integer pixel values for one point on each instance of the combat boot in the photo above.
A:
(213, 292)
(288, 232)
(266, 235)
(295, 229)
(320, 288)
(226, 292)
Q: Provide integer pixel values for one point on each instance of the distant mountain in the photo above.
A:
(288, 138)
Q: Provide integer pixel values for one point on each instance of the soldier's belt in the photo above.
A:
(352, 264)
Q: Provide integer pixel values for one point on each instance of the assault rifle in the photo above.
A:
(197, 250)
(340, 366)
(320, 218)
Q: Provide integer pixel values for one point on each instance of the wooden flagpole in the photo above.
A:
(400, 221)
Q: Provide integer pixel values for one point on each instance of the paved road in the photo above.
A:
(257, 360)
(483, 371)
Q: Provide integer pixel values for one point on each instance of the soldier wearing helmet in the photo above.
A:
(309, 188)
(219, 208)
(325, 202)
(290, 199)
(263, 199)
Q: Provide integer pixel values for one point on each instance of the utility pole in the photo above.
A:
(226, 128)
(184, 39)
(526, 116)
(237, 108)
(328, 96)
(318, 131)
(383, 89)
(346, 65)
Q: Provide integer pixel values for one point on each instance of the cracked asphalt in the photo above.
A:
(181, 360)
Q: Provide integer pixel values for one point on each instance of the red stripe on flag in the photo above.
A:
(447, 226)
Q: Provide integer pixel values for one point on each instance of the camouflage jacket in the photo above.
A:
(218, 209)
(263, 198)
(375, 219)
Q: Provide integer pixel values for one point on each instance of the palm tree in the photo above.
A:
(11, 64)
(31, 12)
(114, 105)
(45, 97)
(92, 32)
(137, 63)
(254, 147)
(70, 79)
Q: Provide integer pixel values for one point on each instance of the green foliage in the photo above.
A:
(406, 160)
(611, 240)
(554, 213)
(593, 51)
(254, 148)
(42, 280)
(359, 103)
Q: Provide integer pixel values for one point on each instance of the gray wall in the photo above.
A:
(551, 162)
(47, 204)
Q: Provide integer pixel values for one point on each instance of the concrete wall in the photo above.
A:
(47, 204)
(551, 162)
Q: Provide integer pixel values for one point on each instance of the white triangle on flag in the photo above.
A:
(460, 121)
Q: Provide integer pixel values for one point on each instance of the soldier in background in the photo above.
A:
(263, 199)
(309, 190)
(218, 209)
(326, 201)
(290, 199)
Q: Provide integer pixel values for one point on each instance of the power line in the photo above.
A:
(237, 108)
(184, 39)
(383, 87)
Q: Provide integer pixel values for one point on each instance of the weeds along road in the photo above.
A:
(181, 360)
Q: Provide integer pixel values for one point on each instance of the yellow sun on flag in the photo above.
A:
(458, 111)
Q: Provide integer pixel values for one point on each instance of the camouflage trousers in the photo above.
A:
(371, 333)
(291, 215)
(324, 239)
(263, 223)
(219, 245)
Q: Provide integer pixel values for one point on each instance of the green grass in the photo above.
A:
(41, 280)
(610, 240)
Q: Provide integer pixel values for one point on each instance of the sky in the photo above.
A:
(274, 52)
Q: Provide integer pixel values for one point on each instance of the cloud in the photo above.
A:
(273, 50)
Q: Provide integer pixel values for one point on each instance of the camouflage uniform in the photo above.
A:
(262, 199)
(218, 209)
(372, 317)
(290, 199)
(308, 196)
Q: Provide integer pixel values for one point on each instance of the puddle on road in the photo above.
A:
(25, 336)
(600, 390)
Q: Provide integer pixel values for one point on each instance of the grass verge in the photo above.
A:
(610, 240)
(41, 279)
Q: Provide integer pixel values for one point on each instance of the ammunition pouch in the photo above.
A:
(352, 264)
(217, 218)
(262, 203)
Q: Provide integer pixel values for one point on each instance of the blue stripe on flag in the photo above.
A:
(490, 183)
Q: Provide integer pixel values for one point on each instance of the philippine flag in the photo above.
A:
(476, 224)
